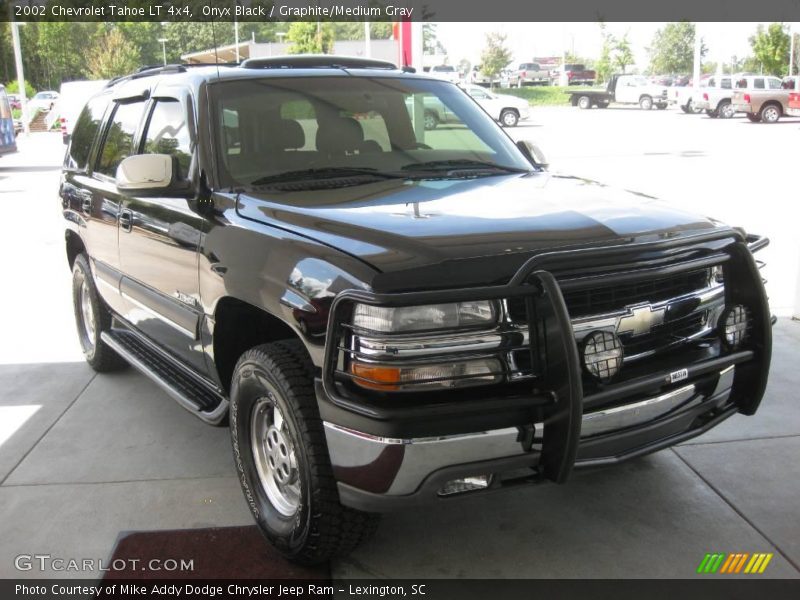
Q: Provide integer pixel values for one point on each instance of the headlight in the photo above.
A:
(422, 318)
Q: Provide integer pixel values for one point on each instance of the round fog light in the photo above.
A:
(602, 354)
(735, 325)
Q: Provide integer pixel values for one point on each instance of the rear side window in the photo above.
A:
(758, 84)
(725, 84)
(774, 84)
(86, 128)
(168, 133)
(118, 143)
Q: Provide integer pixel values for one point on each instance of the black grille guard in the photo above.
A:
(561, 368)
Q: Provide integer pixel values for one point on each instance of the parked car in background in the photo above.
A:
(508, 110)
(684, 96)
(531, 73)
(622, 89)
(446, 72)
(8, 128)
(71, 101)
(768, 104)
(15, 101)
(716, 97)
(576, 74)
(665, 80)
(42, 101)
(793, 106)
(681, 80)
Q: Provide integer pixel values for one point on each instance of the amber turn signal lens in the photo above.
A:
(376, 377)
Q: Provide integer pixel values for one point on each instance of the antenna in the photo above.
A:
(214, 39)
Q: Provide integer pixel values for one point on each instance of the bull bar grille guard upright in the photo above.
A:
(561, 374)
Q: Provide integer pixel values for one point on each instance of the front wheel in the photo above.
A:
(282, 458)
(646, 102)
(584, 102)
(509, 118)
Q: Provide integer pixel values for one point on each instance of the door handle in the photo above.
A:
(126, 220)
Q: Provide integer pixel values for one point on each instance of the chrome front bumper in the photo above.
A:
(372, 469)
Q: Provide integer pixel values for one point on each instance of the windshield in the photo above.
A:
(285, 127)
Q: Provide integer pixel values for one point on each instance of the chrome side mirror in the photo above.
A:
(145, 173)
(533, 153)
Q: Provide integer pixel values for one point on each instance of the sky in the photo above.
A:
(527, 40)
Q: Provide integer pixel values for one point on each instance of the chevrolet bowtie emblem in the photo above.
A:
(641, 319)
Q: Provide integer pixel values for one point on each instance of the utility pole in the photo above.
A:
(23, 97)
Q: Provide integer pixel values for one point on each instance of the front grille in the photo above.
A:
(664, 335)
(606, 299)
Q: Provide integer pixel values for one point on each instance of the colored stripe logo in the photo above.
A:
(734, 563)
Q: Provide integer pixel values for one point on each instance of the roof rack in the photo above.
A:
(316, 61)
(151, 70)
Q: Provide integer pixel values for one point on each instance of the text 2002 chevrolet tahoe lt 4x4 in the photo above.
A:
(389, 315)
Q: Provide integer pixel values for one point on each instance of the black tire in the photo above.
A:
(687, 108)
(602, 105)
(725, 110)
(509, 118)
(280, 376)
(770, 113)
(661, 106)
(584, 102)
(646, 102)
(431, 120)
(711, 113)
(753, 117)
(92, 317)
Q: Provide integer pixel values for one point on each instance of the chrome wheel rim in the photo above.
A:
(584, 102)
(430, 122)
(771, 115)
(647, 104)
(275, 456)
(727, 111)
(87, 312)
(508, 119)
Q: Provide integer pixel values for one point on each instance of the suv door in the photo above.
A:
(90, 191)
(626, 90)
(159, 239)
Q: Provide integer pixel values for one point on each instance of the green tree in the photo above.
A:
(771, 48)
(495, 56)
(672, 49)
(308, 37)
(603, 66)
(430, 40)
(12, 87)
(622, 54)
(113, 56)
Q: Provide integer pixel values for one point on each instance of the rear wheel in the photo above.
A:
(584, 102)
(753, 117)
(646, 102)
(770, 113)
(431, 120)
(725, 110)
(92, 318)
(509, 118)
(282, 458)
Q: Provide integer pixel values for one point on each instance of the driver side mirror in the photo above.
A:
(149, 174)
(533, 153)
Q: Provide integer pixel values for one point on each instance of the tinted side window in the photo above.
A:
(85, 131)
(725, 84)
(168, 133)
(118, 143)
(758, 84)
(774, 84)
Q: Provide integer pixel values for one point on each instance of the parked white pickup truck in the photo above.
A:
(622, 89)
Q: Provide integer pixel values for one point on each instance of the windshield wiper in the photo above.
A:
(461, 165)
(324, 173)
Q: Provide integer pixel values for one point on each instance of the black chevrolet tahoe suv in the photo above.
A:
(387, 315)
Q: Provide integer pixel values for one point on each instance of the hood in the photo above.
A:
(476, 231)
